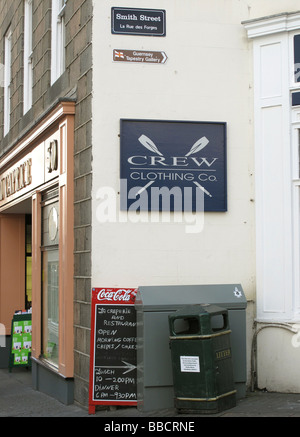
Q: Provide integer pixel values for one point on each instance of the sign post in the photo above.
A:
(113, 348)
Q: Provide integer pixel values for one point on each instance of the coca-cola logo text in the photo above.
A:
(115, 295)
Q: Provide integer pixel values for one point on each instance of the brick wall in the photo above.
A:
(79, 64)
(75, 83)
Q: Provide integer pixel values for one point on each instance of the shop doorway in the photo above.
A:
(15, 267)
(18, 221)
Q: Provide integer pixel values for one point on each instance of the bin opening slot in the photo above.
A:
(218, 322)
(186, 326)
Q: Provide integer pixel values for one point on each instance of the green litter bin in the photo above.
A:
(201, 359)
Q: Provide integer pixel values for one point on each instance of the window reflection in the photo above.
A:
(50, 277)
(50, 306)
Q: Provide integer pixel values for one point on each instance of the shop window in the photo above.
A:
(28, 262)
(50, 277)
(296, 99)
(58, 39)
(7, 80)
(27, 55)
(297, 58)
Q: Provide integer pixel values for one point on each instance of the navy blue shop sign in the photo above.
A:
(173, 165)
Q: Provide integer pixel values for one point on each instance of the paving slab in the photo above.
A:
(19, 399)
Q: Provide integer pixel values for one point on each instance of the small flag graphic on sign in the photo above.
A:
(119, 54)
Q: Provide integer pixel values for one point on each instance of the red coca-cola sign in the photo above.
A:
(113, 368)
(115, 295)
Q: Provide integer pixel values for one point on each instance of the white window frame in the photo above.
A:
(296, 208)
(58, 39)
(295, 142)
(27, 88)
(7, 80)
(278, 289)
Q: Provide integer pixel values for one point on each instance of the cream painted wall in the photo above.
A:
(261, 8)
(278, 363)
(206, 78)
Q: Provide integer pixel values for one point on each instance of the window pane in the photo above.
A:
(297, 58)
(50, 276)
(57, 40)
(50, 306)
(28, 236)
(7, 80)
(27, 55)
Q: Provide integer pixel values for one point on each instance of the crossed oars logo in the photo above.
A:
(196, 147)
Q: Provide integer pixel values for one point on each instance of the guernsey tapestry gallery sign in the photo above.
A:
(173, 165)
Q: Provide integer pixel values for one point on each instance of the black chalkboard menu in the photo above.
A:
(113, 348)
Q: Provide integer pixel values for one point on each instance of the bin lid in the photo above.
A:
(172, 297)
(197, 310)
(199, 318)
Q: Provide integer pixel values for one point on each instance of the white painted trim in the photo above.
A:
(27, 56)
(7, 81)
(295, 140)
(275, 282)
(284, 22)
(57, 40)
(265, 31)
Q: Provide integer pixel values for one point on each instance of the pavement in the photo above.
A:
(19, 399)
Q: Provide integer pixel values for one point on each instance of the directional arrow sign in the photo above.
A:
(129, 367)
(142, 56)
